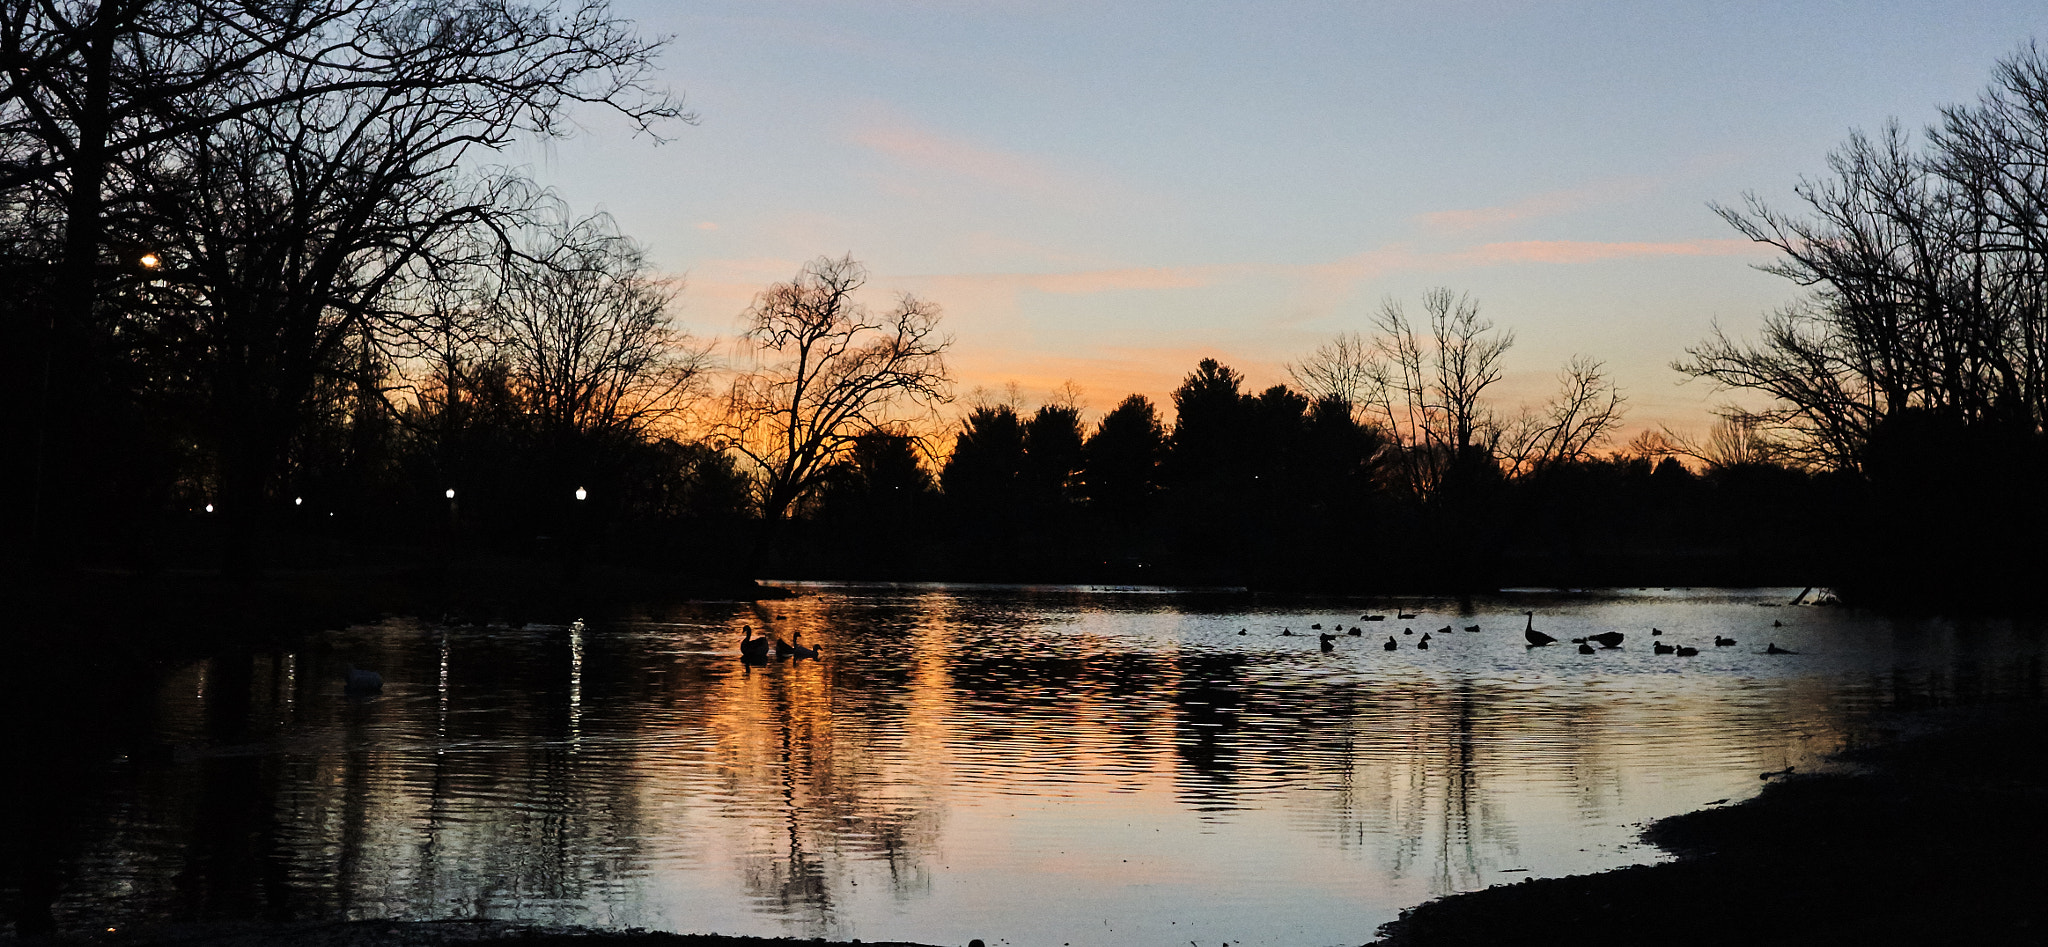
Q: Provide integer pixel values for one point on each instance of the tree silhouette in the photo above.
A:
(825, 371)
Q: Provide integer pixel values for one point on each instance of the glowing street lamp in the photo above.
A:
(582, 494)
(151, 261)
(451, 493)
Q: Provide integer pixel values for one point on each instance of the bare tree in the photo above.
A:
(825, 370)
(1583, 414)
(1428, 391)
(1737, 438)
(1340, 368)
(585, 328)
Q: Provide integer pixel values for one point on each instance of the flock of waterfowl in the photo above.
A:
(755, 650)
(1606, 640)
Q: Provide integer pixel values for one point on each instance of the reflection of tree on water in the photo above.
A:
(829, 749)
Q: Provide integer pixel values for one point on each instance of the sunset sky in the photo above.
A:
(1109, 192)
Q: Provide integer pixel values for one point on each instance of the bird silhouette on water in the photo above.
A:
(799, 649)
(1720, 642)
(1391, 643)
(1355, 632)
(1585, 648)
(1661, 648)
(1774, 649)
(1328, 641)
(1605, 639)
(1423, 645)
(752, 649)
(1687, 651)
(1536, 638)
(1471, 627)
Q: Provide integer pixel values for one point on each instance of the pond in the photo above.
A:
(1026, 765)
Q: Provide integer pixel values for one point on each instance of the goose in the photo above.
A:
(1407, 631)
(1318, 626)
(1286, 632)
(1328, 642)
(1607, 639)
(1720, 642)
(1372, 618)
(1585, 648)
(1423, 645)
(1471, 627)
(1404, 616)
(752, 648)
(1661, 648)
(799, 649)
(1391, 643)
(1536, 638)
(1774, 649)
(1445, 630)
(783, 648)
(361, 681)
(1355, 632)
(1777, 624)
(1686, 651)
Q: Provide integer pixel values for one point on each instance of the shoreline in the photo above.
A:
(1932, 838)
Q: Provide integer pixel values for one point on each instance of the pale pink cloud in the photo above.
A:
(1540, 205)
(931, 151)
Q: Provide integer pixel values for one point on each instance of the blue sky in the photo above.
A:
(1107, 192)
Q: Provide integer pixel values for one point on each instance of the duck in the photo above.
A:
(1391, 643)
(1355, 632)
(752, 648)
(1318, 626)
(1445, 630)
(1661, 648)
(1607, 639)
(1471, 627)
(1407, 631)
(1774, 649)
(1536, 638)
(1286, 632)
(783, 648)
(1244, 631)
(360, 681)
(799, 649)
(1656, 631)
(1777, 624)
(1404, 616)
(1372, 618)
(1585, 648)
(1686, 651)
(1423, 645)
(1720, 642)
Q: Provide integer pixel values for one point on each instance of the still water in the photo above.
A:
(1043, 766)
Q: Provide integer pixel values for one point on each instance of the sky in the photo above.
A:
(1106, 193)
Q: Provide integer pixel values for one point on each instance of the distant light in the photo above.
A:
(298, 501)
(451, 493)
(209, 507)
(149, 261)
(582, 494)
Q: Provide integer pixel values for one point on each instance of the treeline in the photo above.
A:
(1277, 491)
